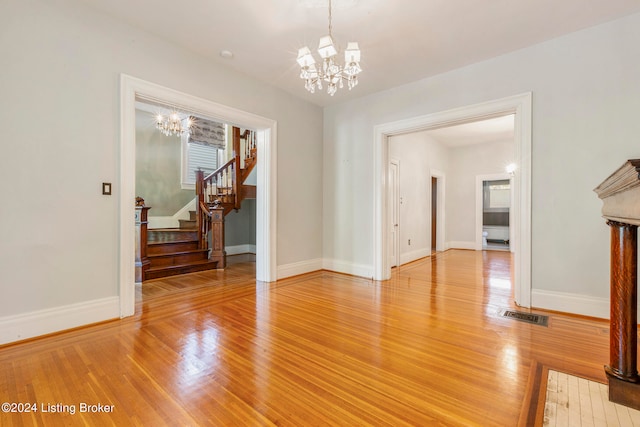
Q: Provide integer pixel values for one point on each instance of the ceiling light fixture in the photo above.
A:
(226, 54)
(173, 124)
(332, 73)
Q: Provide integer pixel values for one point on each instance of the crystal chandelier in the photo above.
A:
(173, 124)
(332, 73)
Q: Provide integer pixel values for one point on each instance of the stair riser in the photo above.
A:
(177, 259)
(155, 274)
(170, 236)
(187, 223)
(166, 248)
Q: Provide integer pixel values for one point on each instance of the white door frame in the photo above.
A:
(395, 206)
(441, 196)
(520, 106)
(132, 88)
(480, 179)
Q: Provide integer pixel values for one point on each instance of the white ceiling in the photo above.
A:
(499, 129)
(401, 40)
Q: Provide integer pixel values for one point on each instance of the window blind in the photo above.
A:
(204, 157)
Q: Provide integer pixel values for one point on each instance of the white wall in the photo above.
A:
(159, 169)
(467, 162)
(240, 227)
(586, 99)
(418, 155)
(61, 65)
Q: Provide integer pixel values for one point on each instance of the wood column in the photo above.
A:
(142, 261)
(622, 371)
(621, 196)
(623, 346)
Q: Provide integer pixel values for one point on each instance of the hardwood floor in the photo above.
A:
(216, 348)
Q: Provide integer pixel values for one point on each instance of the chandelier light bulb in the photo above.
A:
(173, 125)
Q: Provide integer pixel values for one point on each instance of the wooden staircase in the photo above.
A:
(224, 190)
(173, 251)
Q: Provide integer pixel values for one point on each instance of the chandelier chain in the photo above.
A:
(330, 26)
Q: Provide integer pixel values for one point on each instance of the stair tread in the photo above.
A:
(173, 229)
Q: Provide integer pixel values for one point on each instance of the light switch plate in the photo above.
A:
(106, 188)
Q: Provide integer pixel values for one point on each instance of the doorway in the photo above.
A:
(494, 209)
(132, 89)
(520, 107)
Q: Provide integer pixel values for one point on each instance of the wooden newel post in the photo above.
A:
(142, 262)
(620, 194)
(199, 199)
(217, 236)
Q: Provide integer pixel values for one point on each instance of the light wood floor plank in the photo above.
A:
(427, 347)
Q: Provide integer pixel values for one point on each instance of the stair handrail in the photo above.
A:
(224, 183)
(250, 143)
(219, 170)
(216, 184)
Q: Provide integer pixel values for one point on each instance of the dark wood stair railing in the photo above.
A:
(245, 144)
(226, 184)
(224, 190)
(220, 186)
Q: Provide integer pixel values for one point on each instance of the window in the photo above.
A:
(197, 156)
(497, 195)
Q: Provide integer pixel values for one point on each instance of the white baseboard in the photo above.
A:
(414, 255)
(28, 325)
(338, 266)
(297, 268)
(240, 249)
(570, 303)
(308, 266)
(461, 245)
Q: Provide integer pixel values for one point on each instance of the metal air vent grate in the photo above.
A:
(536, 319)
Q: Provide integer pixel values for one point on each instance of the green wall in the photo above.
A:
(158, 168)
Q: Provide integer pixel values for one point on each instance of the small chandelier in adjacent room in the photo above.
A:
(173, 124)
(332, 73)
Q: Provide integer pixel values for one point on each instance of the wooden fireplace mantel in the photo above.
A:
(620, 194)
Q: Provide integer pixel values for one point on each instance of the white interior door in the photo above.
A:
(394, 235)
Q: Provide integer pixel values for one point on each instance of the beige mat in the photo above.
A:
(573, 402)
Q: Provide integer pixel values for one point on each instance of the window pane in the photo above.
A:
(200, 157)
(499, 196)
